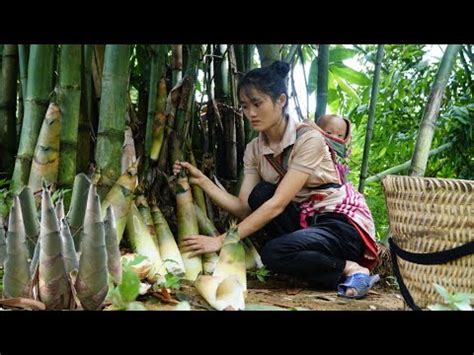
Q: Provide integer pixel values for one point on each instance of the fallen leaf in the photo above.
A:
(23, 303)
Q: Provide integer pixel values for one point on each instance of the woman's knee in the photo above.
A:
(262, 192)
(273, 254)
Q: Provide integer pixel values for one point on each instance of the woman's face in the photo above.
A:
(260, 109)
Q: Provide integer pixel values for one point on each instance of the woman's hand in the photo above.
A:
(200, 244)
(195, 176)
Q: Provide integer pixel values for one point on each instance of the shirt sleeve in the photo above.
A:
(308, 152)
(250, 159)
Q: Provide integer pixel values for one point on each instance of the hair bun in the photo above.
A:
(281, 68)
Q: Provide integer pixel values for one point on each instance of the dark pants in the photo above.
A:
(316, 254)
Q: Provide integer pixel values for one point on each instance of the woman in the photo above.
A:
(289, 174)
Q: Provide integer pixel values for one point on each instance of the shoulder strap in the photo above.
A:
(281, 165)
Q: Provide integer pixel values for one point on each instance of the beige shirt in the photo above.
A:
(310, 155)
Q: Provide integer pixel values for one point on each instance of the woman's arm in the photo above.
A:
(290, 185)
(237, 206)
(292, 182)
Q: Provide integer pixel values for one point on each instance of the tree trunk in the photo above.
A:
(322, 87)
(39, 87)
(370, 121)
(69, 105)
(8, 106)
(428, 123)
(113, 106)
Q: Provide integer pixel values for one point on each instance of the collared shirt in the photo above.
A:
(309, 154)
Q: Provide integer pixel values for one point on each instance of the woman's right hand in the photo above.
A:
(195, 176)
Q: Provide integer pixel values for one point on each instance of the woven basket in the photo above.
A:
(429, 215)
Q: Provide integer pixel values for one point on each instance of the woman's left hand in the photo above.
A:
(200, 244)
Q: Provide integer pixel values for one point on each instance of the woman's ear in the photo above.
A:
(282, 100)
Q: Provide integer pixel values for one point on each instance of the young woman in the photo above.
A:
(322, 231)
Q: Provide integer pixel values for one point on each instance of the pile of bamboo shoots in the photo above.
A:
(69, 261)
(72, 260)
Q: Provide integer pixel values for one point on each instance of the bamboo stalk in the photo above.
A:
(69, 104)
(8, 106)
(268, 53)
(159, 122)
(113, 107)
(39, 86)
(402, 167)
(85, 114)
(206, 227)
(120, 197)
(187, 224)
(176, 63)
(23, 64)
(322, 86)
(77, 209)
(46, 159)
(428, 123)
(370, 120)
(198, 194)
(156, 73)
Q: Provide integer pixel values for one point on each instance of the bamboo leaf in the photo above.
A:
(349, 74)
(339, 54)
(347, 88)
(130, 286)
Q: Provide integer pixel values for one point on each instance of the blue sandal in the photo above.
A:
(360, 282)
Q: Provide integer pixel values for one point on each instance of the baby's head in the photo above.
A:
(334, 125)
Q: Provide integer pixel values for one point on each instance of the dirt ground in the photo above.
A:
(275, 295)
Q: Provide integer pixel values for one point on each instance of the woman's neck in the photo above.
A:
(275, 133)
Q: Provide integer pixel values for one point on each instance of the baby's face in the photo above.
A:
(335, 128)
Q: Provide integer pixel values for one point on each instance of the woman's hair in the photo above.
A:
(269, 80)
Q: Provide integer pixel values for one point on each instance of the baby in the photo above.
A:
(334, 125)
(337, 131)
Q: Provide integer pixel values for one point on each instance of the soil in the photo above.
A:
(283, 295)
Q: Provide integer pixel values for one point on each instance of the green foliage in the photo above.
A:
(5, 200)
(404, 89)
(172, 281)
(61, 193)
(126, 293)
(452, 301)
(260, 274)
